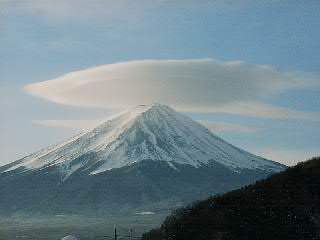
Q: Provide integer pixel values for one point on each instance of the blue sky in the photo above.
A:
(42, 40)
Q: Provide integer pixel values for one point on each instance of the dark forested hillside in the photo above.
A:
(284, 206)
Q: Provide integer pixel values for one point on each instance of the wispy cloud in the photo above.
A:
(227, 127)
(106, 10)
(70, 124)
(205, 85)
(261, 110)
(288, 157)
(60, 11)
(89, 124)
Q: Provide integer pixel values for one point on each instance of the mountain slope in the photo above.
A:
(154, 132)
(98, 168)
(284, 206)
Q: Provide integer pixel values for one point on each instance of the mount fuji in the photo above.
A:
(146, 159)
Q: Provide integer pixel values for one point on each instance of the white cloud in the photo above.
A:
(204, 85)
(262, 110)
(289, 157)
(227, 127)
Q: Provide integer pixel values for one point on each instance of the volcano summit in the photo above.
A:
(148, 158)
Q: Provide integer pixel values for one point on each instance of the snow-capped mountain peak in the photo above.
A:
(148, 132)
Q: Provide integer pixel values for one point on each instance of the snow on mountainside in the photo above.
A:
(153, 132)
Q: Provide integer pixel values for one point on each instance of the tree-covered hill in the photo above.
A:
(284, 206)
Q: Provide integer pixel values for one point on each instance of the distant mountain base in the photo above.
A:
(146, 186)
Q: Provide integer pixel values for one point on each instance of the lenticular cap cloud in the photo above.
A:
(205, 84)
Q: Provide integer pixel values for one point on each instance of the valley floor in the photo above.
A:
(84, 228)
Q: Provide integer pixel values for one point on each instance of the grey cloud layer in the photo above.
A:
(204, 85)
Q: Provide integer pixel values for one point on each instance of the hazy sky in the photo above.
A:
(249, 70)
